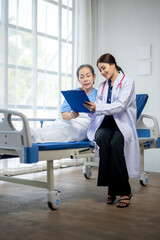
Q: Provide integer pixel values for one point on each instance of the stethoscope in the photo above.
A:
(119, 85)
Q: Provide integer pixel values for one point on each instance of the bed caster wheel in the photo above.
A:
(87, 172)
(143, 178)
(53, 199)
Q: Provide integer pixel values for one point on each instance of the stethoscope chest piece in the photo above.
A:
(101, 97)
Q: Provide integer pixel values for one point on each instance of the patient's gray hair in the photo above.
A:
(85, 65)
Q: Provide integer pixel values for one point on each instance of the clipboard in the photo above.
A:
(76, 99)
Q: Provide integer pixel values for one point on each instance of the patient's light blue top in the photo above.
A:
(92, 97)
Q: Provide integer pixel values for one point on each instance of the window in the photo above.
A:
(36, 55)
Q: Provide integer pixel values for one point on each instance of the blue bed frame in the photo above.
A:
(17, 143)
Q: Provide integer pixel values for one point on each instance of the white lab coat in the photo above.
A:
(123, 108)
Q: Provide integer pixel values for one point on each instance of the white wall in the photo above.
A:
(124, 26)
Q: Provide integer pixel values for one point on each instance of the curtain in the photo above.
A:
(85, 33)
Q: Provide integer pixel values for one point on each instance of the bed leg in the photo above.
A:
(50, 178)
(53, 195)
(142, 159)
(144, 175)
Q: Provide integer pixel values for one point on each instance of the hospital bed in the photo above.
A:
(149, 138)
(17, 143)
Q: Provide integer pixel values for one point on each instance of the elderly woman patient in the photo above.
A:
(72, 126)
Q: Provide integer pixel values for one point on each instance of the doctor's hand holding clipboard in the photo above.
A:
(91, 106)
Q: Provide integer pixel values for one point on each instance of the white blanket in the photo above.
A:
(63, 130)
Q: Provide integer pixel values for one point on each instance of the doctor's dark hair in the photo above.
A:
(108, 58)
(85, 65)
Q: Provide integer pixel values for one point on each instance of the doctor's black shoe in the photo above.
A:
(124, 201)
(110, 199)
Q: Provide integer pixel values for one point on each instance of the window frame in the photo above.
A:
(34, 69)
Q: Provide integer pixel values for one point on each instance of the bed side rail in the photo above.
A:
(147, 132)
(10, 137)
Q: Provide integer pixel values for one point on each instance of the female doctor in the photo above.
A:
(114, 130)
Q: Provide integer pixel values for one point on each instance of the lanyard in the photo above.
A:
(119, 85)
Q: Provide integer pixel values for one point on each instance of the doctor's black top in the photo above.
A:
(109, 121)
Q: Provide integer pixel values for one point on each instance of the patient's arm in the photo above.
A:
(69, 115)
